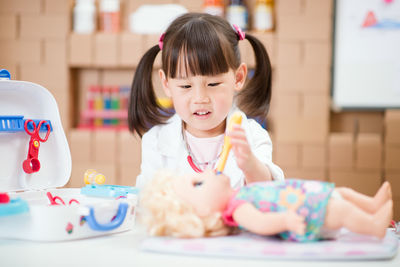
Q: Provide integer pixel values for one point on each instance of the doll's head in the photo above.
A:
(185, 206)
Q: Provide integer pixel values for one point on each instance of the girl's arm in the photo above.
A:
(268, 223)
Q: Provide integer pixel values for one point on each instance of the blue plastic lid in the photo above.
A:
(5, 74)
(14, 207)
(109, 191)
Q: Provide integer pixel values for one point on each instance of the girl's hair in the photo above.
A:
(199, 44)
(165, 214)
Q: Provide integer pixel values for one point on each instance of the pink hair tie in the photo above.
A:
(239, 32)
(160, 41)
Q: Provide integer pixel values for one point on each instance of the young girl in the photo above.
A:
(299, 210)
(203, 75)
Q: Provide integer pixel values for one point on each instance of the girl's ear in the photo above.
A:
(240, 76)
(164, 83)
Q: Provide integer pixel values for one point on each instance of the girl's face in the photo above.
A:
(203, 102)
(205, 192)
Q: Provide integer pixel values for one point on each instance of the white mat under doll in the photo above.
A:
(300, 210)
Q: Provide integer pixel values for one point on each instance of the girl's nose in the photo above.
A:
(200, 95)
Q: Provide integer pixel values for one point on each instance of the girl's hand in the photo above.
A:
(295, 222)
(241, 147)
(253, 169)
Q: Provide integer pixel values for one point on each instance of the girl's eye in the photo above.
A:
(213, 84)
(196, 184)
(185, 86)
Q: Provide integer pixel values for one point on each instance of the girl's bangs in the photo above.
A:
(199, 54)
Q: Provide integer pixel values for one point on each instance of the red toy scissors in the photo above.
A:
(32, 163)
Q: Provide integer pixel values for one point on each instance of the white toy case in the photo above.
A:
(29, 214)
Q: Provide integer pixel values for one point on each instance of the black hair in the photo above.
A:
(209, 45)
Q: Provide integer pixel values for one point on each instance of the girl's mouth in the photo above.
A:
(202, 114)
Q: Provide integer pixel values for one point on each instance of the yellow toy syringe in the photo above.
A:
(235, 119)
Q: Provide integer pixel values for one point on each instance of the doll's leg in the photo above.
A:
(367, 203)
(343, 213)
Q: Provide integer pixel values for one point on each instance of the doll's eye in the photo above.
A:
(195, 184)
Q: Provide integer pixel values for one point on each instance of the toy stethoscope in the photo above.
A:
(32, 163)
(235, 119)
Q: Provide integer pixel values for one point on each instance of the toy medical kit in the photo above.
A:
(235, 119)
(31, 208)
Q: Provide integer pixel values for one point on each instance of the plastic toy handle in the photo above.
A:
(115, 223)
(235, 119)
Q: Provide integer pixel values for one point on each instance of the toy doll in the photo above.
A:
(300, 210)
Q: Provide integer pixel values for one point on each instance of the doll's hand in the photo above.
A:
(295, 222)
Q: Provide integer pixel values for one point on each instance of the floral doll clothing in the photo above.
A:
(307, 198)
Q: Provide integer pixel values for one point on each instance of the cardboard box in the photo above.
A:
(319, 175)
(289, 53)
(285, 105)
(55, 53)
(116, 77)
(20, 7)
(191, 6)
(129, 148)
(318, 8)
(392, 127)
(396, 210)
(29, 51)
(305, 79)
(131, 50)
(8, 52)
(314, 156)
(287, 155)
(79, 169)
(59, 7)
(366, 182)
(392, 157)
(85, 79)
(315, 105)
(313, 28)
(47, 76)
(369, 154)
(63, 98)
(81, 49)
(80, 143)
(393, 177)
(341, 151)
(289, 7)
(105, 146)
(301, 130)
(317, 53)
(8, 27)
(128, 174)
(106, 49)
(357, 122)
(38, 27)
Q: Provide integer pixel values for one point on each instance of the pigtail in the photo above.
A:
(144, 111)
(255, 98)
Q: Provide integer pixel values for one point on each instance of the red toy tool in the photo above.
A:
(32, 163)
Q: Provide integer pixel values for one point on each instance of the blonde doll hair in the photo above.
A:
(165, 214)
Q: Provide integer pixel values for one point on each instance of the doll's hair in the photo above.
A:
(206, 45)
(165, 214)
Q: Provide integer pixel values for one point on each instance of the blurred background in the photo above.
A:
(86, 51)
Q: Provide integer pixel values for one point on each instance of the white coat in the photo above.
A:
(163, 147)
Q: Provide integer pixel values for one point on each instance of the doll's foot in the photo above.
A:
(383, 195)
(382, 219)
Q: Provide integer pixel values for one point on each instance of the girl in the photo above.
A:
(299, 210)
(205, 79)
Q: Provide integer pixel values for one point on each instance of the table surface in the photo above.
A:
(123, 250)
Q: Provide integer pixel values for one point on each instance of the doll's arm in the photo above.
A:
(268, 223)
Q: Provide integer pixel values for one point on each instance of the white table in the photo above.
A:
(123, 250)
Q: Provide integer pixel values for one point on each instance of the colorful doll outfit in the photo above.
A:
(307, 198)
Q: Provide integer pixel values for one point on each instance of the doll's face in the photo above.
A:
(206, 192)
